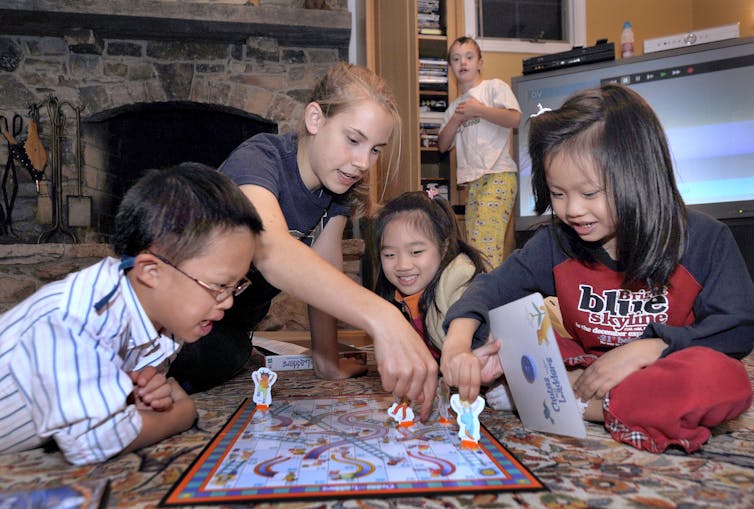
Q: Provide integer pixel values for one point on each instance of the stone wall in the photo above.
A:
(24, 268)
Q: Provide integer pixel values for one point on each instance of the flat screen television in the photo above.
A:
(704, 97)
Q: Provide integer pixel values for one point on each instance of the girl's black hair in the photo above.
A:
(614, 127)
(435, 217)
(178, 209)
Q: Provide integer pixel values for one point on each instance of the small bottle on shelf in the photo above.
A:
(627, 41)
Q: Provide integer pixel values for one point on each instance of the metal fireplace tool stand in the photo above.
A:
(58, 121)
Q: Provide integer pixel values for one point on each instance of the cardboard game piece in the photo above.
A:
(467, 416)
(402, 413)
(263, 379)
(534, 368)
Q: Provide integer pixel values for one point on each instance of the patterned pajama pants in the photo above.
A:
(488, 214)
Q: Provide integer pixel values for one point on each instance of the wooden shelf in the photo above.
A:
(428, 37)
(394, 47)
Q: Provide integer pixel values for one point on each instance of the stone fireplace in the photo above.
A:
(156, 82)
(122, 142)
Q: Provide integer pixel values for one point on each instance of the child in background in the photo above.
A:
(478, 124)
(82, 359)
(655, 297)
(305, 185)
(424, 263)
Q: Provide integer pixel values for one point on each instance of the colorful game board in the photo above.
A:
(308, 448)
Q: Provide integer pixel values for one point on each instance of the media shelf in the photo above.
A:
(433, 90)
(408, 47)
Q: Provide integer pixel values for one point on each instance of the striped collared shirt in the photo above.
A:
(64, 365)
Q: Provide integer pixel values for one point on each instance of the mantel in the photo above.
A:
(154, 19)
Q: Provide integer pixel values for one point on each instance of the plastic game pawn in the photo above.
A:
(402, 413)
(467, 416)
(263, 381)
(443, 402)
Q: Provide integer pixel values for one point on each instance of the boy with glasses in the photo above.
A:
(82, 360)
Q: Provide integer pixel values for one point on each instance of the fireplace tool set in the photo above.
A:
(10, 177)
(31, 156)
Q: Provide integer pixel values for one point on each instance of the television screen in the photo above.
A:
(704, 97)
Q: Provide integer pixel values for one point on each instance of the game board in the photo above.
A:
(335, 447)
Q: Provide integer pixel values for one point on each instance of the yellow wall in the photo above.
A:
(708, 13)
(649, 18)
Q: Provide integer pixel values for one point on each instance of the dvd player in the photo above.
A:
(600, 52)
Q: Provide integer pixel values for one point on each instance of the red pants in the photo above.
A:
(675, 400)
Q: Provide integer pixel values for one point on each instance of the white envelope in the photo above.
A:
(534, 368)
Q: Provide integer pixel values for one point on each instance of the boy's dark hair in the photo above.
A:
(177, 209)
(435, 217)
(613, 127)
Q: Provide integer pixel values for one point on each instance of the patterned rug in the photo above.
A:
(579, 473)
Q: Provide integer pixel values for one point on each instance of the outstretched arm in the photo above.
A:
(406, 367)
(323, 327)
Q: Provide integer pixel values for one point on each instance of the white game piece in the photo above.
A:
(263, 381)
(402, 413)
(467, 416)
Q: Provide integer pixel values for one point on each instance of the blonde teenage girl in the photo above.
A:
(304, 186)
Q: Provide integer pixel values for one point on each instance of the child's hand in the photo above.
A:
(462, 370)
(615, 365)
(177, 393)
(160, 423)
(488, 356)
(470, 108)
(152, 389)
(459, 367)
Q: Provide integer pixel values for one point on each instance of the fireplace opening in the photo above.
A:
(120, 144)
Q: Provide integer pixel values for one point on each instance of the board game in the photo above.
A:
(336, 447)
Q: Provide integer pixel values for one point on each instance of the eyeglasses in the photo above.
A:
(219, 292)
